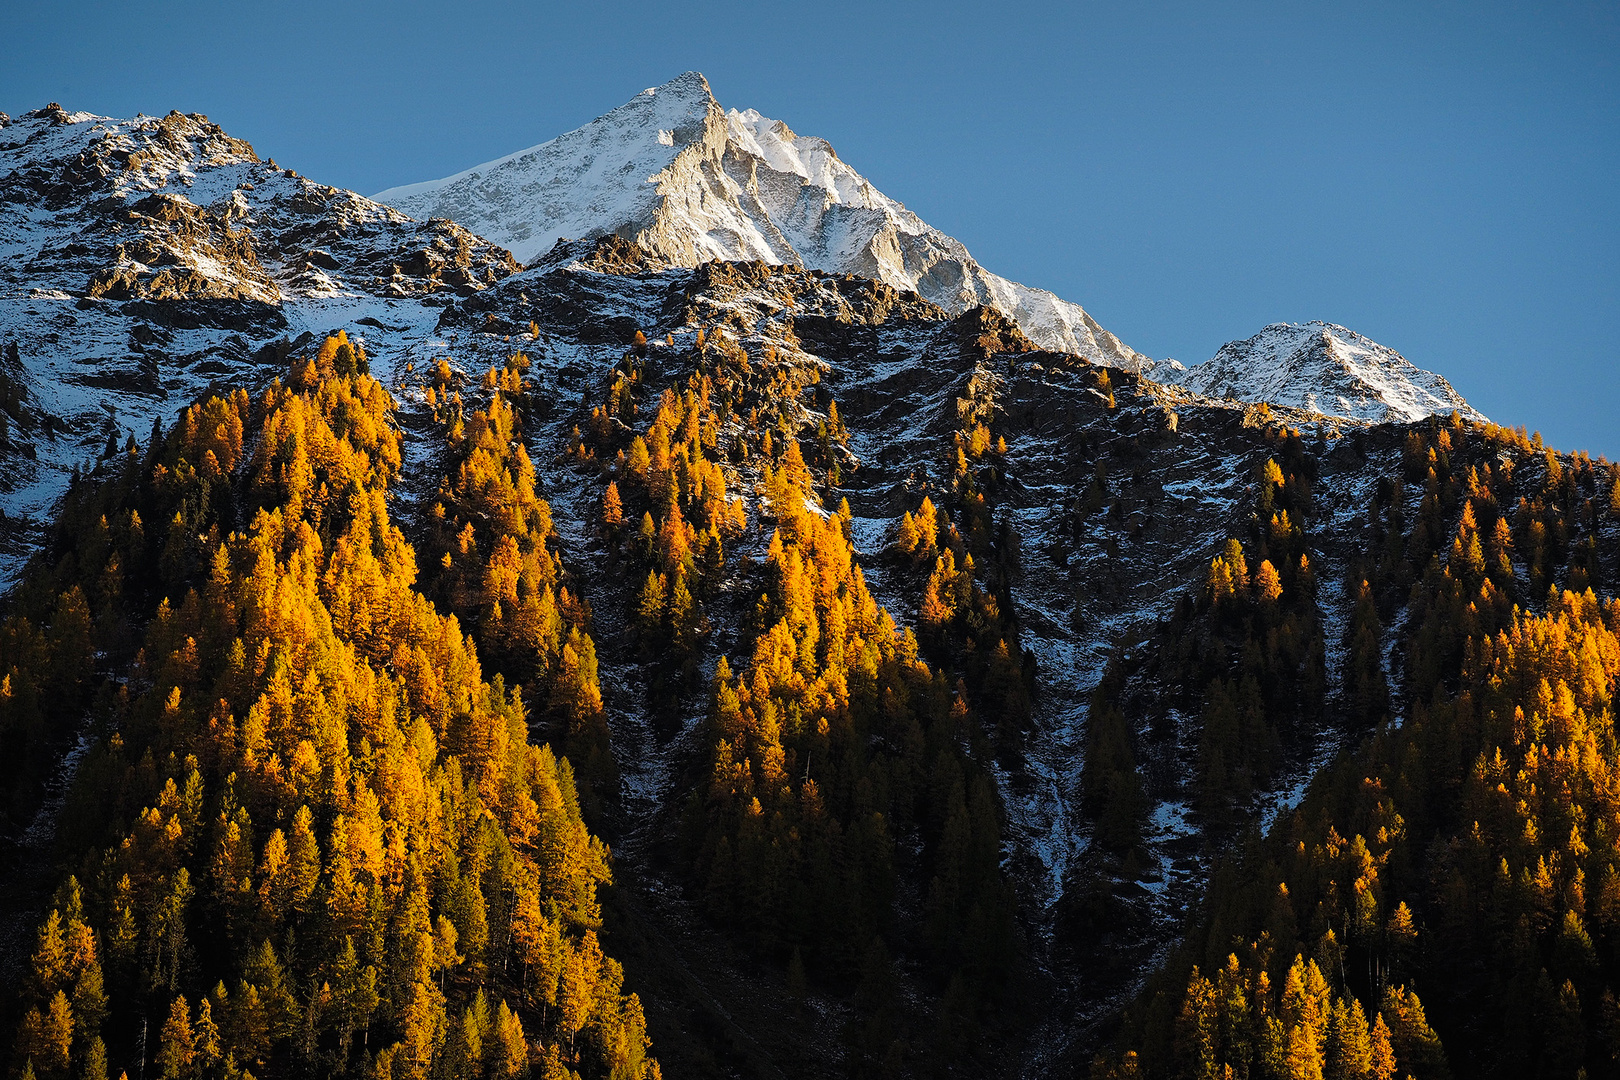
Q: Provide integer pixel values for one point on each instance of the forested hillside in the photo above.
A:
(308, 835)
(1445, 901)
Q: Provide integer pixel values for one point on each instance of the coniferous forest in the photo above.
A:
(332, 807)
(311, 834)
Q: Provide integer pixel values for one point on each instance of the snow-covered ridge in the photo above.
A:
(1328, 369)
(691, 182)
(172, 207)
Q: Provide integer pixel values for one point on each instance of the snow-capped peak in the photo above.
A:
(1328, 369)
(690, 181)
(588, 183)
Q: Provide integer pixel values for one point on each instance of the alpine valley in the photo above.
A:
(651, 605)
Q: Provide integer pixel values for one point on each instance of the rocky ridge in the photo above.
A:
(1098, 577)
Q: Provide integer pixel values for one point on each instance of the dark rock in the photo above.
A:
(248, 316)
(277, 352)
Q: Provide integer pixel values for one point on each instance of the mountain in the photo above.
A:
(930, 689)
(689, 181)
(143, 259)
(1325, 368)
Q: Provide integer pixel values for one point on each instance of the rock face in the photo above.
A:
(689, 181)
(1325, 368)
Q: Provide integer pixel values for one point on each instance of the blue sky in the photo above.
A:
(1442, 177)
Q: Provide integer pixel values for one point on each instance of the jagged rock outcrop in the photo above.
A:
(174, 208)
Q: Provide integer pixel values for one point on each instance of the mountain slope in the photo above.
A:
(1328, 369)
(142, 259)
(690, 182)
